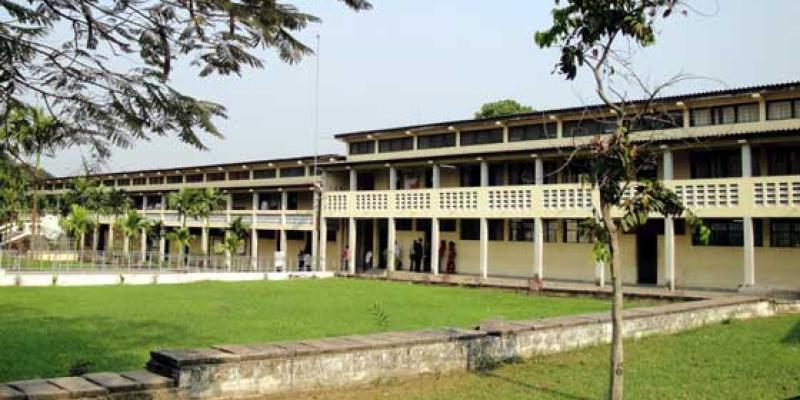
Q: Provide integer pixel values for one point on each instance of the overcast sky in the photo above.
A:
(416, 61)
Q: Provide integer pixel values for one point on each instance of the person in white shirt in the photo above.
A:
(398, 260)
(307, 261)
(368, 260)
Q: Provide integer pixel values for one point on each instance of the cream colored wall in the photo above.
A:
(778, 268)
(449, 177)
(681, 165)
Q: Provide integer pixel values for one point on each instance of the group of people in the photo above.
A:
(419, 256)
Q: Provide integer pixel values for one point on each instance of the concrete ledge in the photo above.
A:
(146, 278)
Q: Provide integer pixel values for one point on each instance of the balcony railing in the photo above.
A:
(272, 219)
(728, 197)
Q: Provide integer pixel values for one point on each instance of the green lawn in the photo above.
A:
(43, 331)
(756, 359)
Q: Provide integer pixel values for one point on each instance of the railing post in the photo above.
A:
(538, 248)
(435, 261)
(484, 248)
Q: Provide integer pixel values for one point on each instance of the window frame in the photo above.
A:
(480, 137)
(393, 145)
(436, 141)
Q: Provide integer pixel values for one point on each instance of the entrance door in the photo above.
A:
(647, 256)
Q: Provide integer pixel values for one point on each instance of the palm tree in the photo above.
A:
(34, 133)
(182, 237)
(77, 223)
(132, 225)
(235, 236)
(116, 202)
(207, 201)
(182, 201)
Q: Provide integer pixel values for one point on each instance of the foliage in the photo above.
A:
(132, 224)
(181, 236)
(14, 186)
(502, 108)
(103, 68)
(379, 315)
(77, 222)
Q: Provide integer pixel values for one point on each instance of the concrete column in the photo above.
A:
(667, 165)
(747, 160)
(351, 242)
(253, 247)
(322, 255)
(284, 200)
(436, 179)
(282, 243)
(391, 231)
(162, 247)
(484, 248)
(484, 173)
(749, 252)
(204, 240)
(110, 241)
(669, 251)
(392, 178)
(538, 248)
(435, 246)
(144, 202)
(600, 273)
(353, 180)
(143, 244)
(96, 237)
(539, 171)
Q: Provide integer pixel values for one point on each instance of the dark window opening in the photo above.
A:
(436, 141)
(485, 136)
(264, 173)
(367, 147)
(531, 132)
(292, 172)
(399, 144)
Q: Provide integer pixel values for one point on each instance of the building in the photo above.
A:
(501, 190)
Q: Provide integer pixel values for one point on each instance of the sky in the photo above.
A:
(420, 61)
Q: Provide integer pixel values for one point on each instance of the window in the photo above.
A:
(550, 231)
(215, 176)
(156, 180)
(587, 127)
(497, 174)
(404, 224)
(716, 164)
(521, 174)
(783, 161)
(423, 225)
(172, 179)
(264, 173)
(238, 175)
(783, 109)
(367, 147)
(447, 225)
(470, 229)
(575, 171)
(784, 233)
(664, 120)
(108, 183)
(725, 114)
(531, 132)
(520, 230)
(484, 136)
(728, 232)
(123, 182)
(269, 201)
(139, 181)
(399, 144)
(469, 175)
(291, 200)
(295, 235)
(436, 141)
(292, 172)
(266, 234)
(194, 178)
(572, 234)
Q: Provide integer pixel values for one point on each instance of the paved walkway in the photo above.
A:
(552, 286)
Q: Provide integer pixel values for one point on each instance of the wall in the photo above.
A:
(251, 370)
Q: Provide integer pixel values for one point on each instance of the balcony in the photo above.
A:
(724, 198)
(270, 220)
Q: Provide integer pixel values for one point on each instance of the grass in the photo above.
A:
(756, 359)
(44, 331)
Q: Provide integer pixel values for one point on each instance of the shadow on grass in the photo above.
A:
(793, 336)
(41, 346)
(487, 370)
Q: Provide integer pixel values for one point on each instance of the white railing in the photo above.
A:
(728, 197)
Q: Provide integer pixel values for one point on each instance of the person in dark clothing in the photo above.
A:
(418, 254)
(451, 258)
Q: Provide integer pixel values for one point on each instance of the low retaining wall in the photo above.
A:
(247, 370)
(144, 278)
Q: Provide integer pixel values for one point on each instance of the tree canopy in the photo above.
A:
(502, 108)
(102, 69)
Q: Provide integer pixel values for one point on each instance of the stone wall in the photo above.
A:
(230, 371)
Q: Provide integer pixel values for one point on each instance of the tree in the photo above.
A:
(76, 223)
(182, 236)
(132, 225)
(502, 108)
(103, 68)
(235, 236)
(31, 132)
(206, 201)
(587, 33)
(14, 187)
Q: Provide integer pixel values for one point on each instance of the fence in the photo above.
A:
(66, 261)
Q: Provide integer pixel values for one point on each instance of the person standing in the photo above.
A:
(451, 258)
(442, 251)
(398, 260)
(368, 260)
(412, 256)
(418, 254)
(345, 258)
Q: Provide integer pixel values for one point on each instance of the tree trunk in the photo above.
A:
(616, 386)
(34, 199)
(126, 247)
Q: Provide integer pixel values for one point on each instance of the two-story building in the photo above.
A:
(506, 193)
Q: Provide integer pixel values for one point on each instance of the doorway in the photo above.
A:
(647, 254)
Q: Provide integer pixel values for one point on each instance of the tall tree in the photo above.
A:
(587, 32)
(132, 225)
(76, 223)
(502, 108)
(103, 68)
(30, 133)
